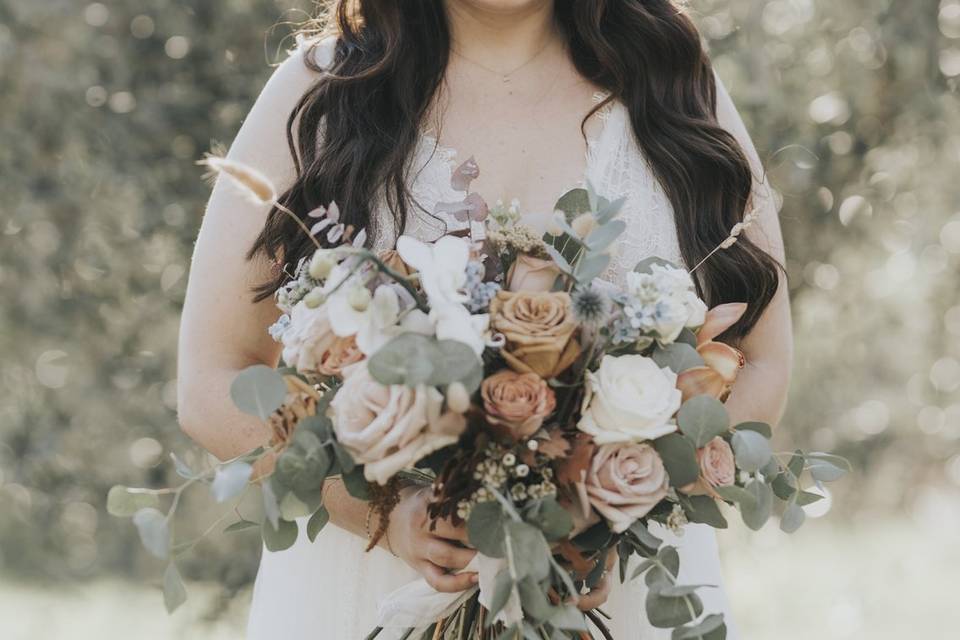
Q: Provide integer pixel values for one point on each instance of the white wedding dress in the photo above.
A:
(330, 589)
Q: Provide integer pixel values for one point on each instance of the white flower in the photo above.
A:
(442, 267)
(371, 325)
(696, 310)
(671, 280)
(454, 322)
(629, 399)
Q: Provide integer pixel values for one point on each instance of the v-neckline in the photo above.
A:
(450, 159)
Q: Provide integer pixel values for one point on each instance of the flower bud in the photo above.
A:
(321, 264)
(315, 298)
(583, 224)
(359, 298)
(458, 400)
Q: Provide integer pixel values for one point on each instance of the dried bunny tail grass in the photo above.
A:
(254, 184)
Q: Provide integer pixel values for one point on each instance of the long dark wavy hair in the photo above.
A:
(389, 61)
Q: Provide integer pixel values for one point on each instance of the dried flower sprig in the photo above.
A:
(257, 187)
(735, 232)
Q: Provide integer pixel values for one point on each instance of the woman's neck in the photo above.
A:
(503, 37)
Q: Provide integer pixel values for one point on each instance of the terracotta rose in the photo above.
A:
(517, 402)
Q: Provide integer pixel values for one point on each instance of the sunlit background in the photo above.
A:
(104, 108)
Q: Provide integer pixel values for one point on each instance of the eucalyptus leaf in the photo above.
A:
(604, 235)
(292, 507)
(709, 624)
(258, 390)
(762, 428)
(503, 587)
(485, 529)
(736, 494)
(271, 506)
(796, 464)
(824, 470)
(647, 539)
(407, 359)
(752, 450)
(646, 265)
(317, 522)
(783, 486)
(573, 203)
(554, 521)
(343, 457)
(123, 502)
(531, 552)
(591, 266)
(704, 510)
(756, 513)
(678, 356)
(174, 591)
(356, 484)
(703, 418)
(456, 362)
(679, 457)
(558, 259)
(793, 518)
(667, 570)
(154, 531)
(280, 538)
(535, 603)
(607, 210)
(568, 618)
(667, 613)
(241, 525)
(806, 497)
(230, 481)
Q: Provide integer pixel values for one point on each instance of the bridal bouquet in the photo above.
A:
(555, 415)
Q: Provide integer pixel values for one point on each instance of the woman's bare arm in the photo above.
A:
(760, 392)
(222, 331)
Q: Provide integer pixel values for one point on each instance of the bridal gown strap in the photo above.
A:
(330, 588)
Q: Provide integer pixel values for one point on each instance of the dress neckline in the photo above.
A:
(449, 157)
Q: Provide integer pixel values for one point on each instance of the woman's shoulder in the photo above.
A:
(316, 51)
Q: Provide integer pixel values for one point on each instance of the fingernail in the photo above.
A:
(475, 578)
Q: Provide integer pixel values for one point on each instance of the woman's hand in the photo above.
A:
(435, 554)
(599, 594)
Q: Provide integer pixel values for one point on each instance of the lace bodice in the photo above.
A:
(615, 166)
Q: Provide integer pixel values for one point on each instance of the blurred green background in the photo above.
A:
(104, 107)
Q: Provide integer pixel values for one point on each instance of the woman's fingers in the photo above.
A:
(445, 582)
(446, 555)
(597, 596)
(445, 529)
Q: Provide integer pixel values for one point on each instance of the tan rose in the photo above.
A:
(517, 401)
(539, 328)
(624, 482)
(341, 353)
(532, 274)
(390, 428)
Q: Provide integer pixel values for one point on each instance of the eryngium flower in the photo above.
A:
(590, 306)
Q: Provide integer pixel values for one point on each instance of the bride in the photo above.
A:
(545, 95)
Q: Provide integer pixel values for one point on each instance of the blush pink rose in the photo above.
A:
(390, 428)
(624, 482)
(716, 463)
(532, 274)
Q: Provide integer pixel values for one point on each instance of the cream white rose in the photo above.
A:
(390, 428)
(629, 398)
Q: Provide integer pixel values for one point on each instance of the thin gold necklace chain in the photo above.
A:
(503, 76)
